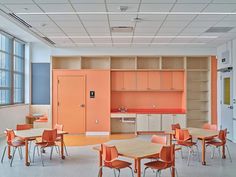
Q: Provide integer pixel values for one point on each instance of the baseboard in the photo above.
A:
(97, 133)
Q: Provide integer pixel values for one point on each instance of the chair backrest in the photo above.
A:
(222, 135)
(59, 127)
(167, 154)
(182, 134)
(175, 126)
(23, 126)
(159, 139)
(49, 136)
(10, 135)
(109, 153)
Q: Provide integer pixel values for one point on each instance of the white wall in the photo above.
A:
(12, 115)
(231, 47)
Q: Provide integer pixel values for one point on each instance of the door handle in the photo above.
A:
(82, 105)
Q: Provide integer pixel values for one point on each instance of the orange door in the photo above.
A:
(154, 80)
(178, 80)
(130, 81)
(117, 81)
(142, 81)
(166, 80)
(71, 103)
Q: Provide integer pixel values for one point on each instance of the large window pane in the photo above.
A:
(5, 61)
(18, 88)
(18, 64)
(18, 49)
(5, 97)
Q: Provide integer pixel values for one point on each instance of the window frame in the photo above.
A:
(12, 56)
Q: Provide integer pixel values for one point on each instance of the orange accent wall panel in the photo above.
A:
(166, 80)
(213, 90)
(130, 80)
(97, 108)
(178, 80)
(117, 80)
(154, 80)
(142, 80)
(146, 100)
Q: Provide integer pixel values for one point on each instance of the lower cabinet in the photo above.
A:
(168, 119)
(148, 122)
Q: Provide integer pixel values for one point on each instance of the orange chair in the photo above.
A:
(167, 158)
(185, 139)
(59, 127)
(110, 159)
(218, 142)
(174, 127)
(13, 141)
(48, 140)
(158, 140)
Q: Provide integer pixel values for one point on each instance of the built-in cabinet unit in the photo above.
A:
(146, 82)
(148, 122)
(169, 119)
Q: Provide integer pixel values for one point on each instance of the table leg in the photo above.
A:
(203, 152)
(138, 166)
(170, 139)
(9, 152)
(27, 163)
(223, 152)
(62, 147)
(173, 165)
(135, 166)
(100, 162)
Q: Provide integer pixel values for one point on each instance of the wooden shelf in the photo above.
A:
(147, 62)
(172, 62)
(197, 63)
(126, 62)
(95, 62)
(73, 62)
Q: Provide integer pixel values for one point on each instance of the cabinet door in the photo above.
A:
(117, 81)
(130, 80)
(178, 80)
(142, 80)
(154, 80)
(166, 80)
(142, 122)
(181, 119)
(154, 122)
(167, 121)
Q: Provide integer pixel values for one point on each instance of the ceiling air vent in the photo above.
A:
(122, 29)
(49, 40)
(219, 29)
(23, 22)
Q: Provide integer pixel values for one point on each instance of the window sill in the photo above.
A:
(13, 105)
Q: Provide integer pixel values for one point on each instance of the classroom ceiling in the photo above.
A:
(88, 23)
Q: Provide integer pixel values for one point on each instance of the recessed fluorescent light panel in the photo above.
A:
(219, 29)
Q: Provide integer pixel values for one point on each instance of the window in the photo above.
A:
(12, 59)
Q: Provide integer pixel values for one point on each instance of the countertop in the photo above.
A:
(151, 111)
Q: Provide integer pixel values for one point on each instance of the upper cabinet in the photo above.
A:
(178, 80)
(166, 80)
(142, 81)
(154, 79)
(129, 81)
(117, 81)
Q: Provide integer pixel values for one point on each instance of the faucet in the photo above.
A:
(122, 109)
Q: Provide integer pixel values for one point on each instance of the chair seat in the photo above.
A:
(158, 165)
(186, 143)
(156, 156)
(215, 143)
(45, 144)
(117, 164)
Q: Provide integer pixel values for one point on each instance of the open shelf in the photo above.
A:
(147, 62)
(120, 62)
(95, 62)
(198, 63)
(73, 62)
(172, 62)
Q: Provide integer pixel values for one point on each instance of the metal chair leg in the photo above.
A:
(51, 153)
(219, 152)
(144, 172)
(189, 154)
(13, 155)
(213, 152)
(118, 172)
(198, 153)
(65, 149)
(3, 154)
(20, 153)
(181, 151)
(41, 152)
(114, 171)
(34, 152)
(228, 152)
(131, 171)
(100, 171)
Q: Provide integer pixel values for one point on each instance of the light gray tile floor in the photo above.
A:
(83, 162)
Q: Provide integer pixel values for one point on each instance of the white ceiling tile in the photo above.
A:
(226, 24)
(76, 33)
(155, 7)
(68, 24)
(50, 30)
(149, 24)
(82, 40)
(85, 45)
(188, 7)
(142, 40)
(168, 24)
(64, 17)
(201, 40)
(87, 1)
(158, 1)
(102, 40)
(220, 8)
(122, 34)
(18, 2)
(209, 17)
(62, 40)
(121, 17)
(180, 17)
(197, 30)
(115, 7)
(196, 23)
(190, 33)
(178, 40)
(100, 29)
(90, 7)
(145, 30)
(49, 34)
(70, 30)
(121, 40)
(122, 23)
(152, 17)
(224, 1)
(23, 8)
(93, 17)
(96, 24)
(230, 18)
(123, 1)
(170, 30)
(56, 7)
(51, 1)
(35, 18)
(162, 40)
(144, 33)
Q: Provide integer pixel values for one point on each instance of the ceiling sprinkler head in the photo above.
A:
(137, 19)
(123, 8)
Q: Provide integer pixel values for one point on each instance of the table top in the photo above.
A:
(202, 133)
(135, 148)
(33, 133)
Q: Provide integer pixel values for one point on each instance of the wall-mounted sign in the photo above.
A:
(225, 57)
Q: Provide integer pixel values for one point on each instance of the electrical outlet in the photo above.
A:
(97, 121)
